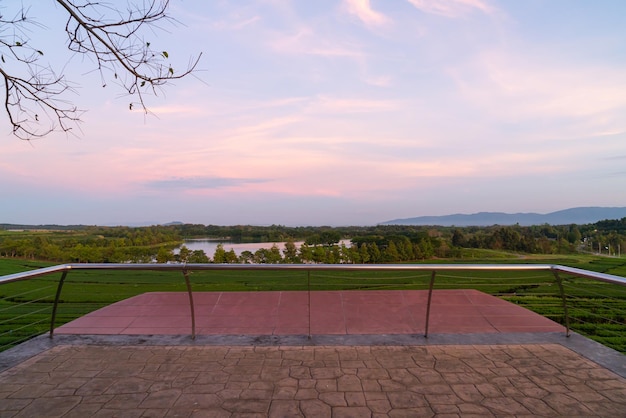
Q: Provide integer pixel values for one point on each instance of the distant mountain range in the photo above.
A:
(579, 216)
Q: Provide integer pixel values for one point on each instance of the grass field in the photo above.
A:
(596, 309)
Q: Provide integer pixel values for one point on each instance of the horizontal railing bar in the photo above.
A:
(313, 267)
(604, 277)
(34, 273)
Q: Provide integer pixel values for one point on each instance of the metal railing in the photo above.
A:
(557, 271)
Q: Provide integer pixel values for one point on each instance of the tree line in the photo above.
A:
(367, 244)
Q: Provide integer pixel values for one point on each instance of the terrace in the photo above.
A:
(322, 340)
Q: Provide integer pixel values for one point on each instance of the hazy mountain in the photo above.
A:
(580, 216)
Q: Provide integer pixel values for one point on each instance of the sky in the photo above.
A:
(340, 112)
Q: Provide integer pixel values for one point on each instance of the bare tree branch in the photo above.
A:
(35, 94)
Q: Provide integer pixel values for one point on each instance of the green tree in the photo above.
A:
(231, 257)
(458, 238)
(246, 257)
(306, 253)
(574, 236)
(391, 253)
(290, 252)
(364, 254)
(220, 254)
(354, 254)
(329, 237)
(184, 254)
(374, 253)
(198, 256)
(273, 256)
(319, 254)
(424, 249)
(164, 255)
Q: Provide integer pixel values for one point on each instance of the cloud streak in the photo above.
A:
(362, 9)
(191, 183)
(452, 8)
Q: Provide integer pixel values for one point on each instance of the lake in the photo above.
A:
(210, 245)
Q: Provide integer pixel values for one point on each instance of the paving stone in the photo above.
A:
(83, 410)
(403, 376)
(326, 372)
(273, 374)
(96, 386)
(49, 407)
(333, 398)
(247, 406)
(324, 353)
(411, 412)
(306, 394)
(355, 398)
(465, 377)
(161, 399)
(607, 384)
(117, 413)
(468, 393)
(300, 372)
(229, 393)
(307, 383)
(566, 405)
(587, 396)
(504, 405)
(401, 400)
(391, 385)
(372, 396)
(443, 409)
(14, 405)
(314, 408)
(348, 353)
(382, 406)
(351, 412)
(310, 381)
(326, 385)
(262, 386)
(284, 409)
(31, 392)
(186, 412)
(370, 385)
(194, 401)
(536, 407)
(126, 401)
(443, 399)
(349, 383)
(154, 413)
(255, 394)
(616, 395)
(372, 374)
(488, 390)
(468, 409)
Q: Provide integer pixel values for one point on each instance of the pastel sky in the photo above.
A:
(343, 112)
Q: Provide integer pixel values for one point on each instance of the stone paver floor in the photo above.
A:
(310, 381)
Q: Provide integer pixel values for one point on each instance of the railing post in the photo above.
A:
(308, 283)
(559, 282)
(430, 298)
(193, 311)
(56, 303)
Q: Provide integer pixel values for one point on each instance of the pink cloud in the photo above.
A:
(452, 8)
(363, 10)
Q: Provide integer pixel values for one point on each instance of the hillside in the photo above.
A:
(579, 216)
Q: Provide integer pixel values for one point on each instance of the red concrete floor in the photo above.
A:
(331, 312)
